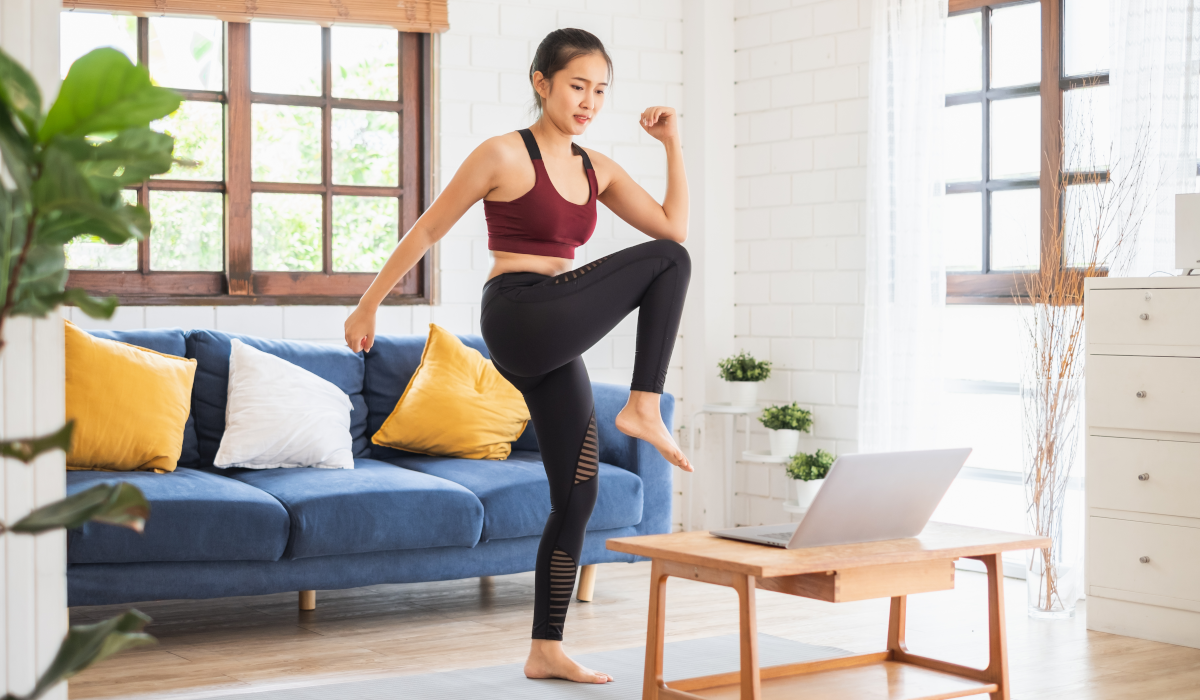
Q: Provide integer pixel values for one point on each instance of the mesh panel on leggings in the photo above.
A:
(562, 582)
(568, 276)
(589, 454)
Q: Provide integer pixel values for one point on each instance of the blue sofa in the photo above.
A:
(396, 517)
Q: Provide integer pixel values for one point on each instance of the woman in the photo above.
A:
(539, 193)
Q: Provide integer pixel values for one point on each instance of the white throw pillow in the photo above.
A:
(281, 415)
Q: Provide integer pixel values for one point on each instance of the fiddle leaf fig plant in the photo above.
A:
(742, 367)
(786, 417)
(64, 172)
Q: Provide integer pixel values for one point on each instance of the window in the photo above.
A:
(1004, 126)
(305, 150)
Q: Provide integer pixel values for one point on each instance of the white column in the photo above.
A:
(708, 137)
(33, 585)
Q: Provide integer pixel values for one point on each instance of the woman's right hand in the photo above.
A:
(360, 328)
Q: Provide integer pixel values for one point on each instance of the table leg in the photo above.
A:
(751, 683)
(997, 670)
(655, 629)
(897, 624)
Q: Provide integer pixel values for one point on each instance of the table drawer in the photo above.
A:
(1172, 316)
(1143, 393)
(1172, 470)
(1172, 569)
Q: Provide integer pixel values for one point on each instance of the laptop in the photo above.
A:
(867, 497)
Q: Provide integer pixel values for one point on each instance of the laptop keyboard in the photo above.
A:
(778, 536)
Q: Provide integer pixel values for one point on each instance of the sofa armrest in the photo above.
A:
(637, 456)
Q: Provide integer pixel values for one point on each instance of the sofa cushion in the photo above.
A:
(374, 507)
(194, 516)
(169, 341)
(209, 396)
(516, 495)
(390, 365)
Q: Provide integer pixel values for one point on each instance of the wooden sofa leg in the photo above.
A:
(308, 600)
(587, 583)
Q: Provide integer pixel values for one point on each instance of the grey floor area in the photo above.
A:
(683, 659)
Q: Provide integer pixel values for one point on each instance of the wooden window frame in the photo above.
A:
(239, 283)
(1010, 287)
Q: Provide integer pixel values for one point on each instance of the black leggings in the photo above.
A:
(536, 327)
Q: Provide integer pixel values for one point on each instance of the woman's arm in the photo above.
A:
(631, 202)
(473, 180)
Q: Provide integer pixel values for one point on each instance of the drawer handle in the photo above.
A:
(1143, 477)
(1144, 317)
(1144, 560)
(1141, 394)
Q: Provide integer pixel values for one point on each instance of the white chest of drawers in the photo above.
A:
(1143, 457)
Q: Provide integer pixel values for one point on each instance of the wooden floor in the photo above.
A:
(256, 643)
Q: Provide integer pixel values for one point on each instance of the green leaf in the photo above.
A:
(89, 644)
(17, 151)
(104, 92)
(60, 181)
(40, 285)
(71, 219)
(29, 449)
(19, 93)
(94, 307)
(118, 503)
(129, 159)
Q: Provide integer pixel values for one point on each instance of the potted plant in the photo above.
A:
(784, 425)
(743, 373)
(808, 471)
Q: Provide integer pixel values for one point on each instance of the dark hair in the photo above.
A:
(559, 48)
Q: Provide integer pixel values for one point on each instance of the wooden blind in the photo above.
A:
(405, 15)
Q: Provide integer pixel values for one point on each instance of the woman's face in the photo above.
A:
(573, 97)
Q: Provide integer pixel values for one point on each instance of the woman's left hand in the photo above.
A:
(660, 122)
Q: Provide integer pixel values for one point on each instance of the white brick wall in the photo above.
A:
(484, 91)
(800, 164)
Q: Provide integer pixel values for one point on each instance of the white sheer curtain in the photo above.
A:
(1155, 67)
(900, 393)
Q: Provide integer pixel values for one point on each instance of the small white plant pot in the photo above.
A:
(806, 491)
(783, 441)
(743, 393)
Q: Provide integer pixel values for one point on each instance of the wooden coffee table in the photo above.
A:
(890, 569)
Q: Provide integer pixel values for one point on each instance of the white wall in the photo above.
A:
(33, 586)
(801, 72)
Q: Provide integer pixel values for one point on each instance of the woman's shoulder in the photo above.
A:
(502, 149)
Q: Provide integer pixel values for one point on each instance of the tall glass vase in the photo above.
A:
(1053, 581)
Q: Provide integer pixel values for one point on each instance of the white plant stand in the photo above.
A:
(731, 428)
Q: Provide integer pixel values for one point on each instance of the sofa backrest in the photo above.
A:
(169, 341)
(390, 365)
(210, 349)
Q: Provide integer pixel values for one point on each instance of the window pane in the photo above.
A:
(187, 231)
(962, 232)
(366, 148)
(964, 53)
(285, 58)
(286, 231)
(92, 253)
(1092, 225)
(1015, 230)
(197, 128)
(185, 53)
(963, 149)
(1085, 129)
(365, 231)
(365, 62)
(1017, 45)
(287, 143)
(80, 32)
(1085, 37)
(1016, 137)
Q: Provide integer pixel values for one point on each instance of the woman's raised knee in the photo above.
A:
(673, 250)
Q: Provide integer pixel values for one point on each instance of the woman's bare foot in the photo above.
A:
(548, 660)
(641, 419)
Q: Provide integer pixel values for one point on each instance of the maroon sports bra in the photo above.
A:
(541, 222)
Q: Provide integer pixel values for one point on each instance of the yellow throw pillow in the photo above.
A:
(129, 404)
(455, 405)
